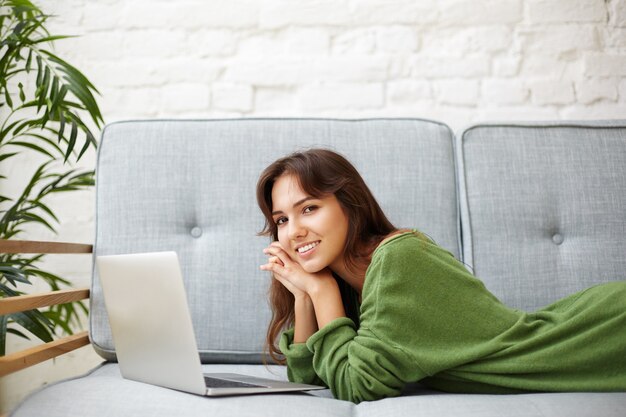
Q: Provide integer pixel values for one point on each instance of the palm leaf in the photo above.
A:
(34, 322)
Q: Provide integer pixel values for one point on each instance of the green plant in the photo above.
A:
(42, 99)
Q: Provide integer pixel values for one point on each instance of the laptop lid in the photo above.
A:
(150, 322)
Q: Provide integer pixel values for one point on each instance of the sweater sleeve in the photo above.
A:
(299, 360)
(422, 313)
(358, 366)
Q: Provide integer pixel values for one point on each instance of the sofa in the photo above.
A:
(536, 210)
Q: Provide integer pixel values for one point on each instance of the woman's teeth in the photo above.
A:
(308, 247)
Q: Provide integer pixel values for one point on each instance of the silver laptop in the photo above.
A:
(152, 330)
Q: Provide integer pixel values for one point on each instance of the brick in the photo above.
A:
(92, 46)
(258, 71)
(614, 37)
(182, 97)
(389, 12)
(396, 40)
(142, 102)
(617, 13)
(303, 41)
(604, 65)
(67, 16)
(404, 92)
(590, 90)
(470, 66)
(552, 11)
(289, 42)
(153, 43)
(204, 71)
(622, 91)
(503, 91)
(548, 91)
(282, 13)
(102, 16)
(463, 92)
(548, 66)
(516, 113)
(232, 97)
(288, 70)
(183, 15)
(461, 41)
(479, 12)
(123, 73)
(208, 43)
(599, 110)
(506, 66)
(558, 40)
(358, 41)
(268, 100)
(400, 66)
(341, 96)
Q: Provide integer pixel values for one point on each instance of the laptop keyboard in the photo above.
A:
(224, 383)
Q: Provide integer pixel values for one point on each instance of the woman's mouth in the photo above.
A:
(306, 249)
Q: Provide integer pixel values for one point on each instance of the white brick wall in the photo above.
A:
(458, 61)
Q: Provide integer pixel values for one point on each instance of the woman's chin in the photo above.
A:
(311, 268)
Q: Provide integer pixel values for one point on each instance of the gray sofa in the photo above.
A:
(536, 210)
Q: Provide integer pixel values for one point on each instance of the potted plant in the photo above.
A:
(45, 107)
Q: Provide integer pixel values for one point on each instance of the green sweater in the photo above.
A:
(424, 317)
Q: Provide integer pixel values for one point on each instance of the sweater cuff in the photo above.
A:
(293, 351)
(340, 328)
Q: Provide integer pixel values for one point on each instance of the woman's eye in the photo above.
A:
(309, 209)
(280, 220)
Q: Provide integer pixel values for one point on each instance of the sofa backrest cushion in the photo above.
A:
(543, 207)
(189, 186)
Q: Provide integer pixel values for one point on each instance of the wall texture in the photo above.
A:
(458, 61)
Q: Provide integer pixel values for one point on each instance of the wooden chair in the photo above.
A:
(32, 356)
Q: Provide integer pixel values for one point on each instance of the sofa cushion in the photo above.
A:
(543, 207)
(104, 392)
(189, 186)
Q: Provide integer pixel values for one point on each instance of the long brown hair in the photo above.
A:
(321, 172)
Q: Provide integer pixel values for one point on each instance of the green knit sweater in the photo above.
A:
(424, 317)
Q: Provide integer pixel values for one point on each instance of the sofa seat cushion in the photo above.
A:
(103, 392)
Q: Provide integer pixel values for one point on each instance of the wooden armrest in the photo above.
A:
(31, 246)
(28, 357)
(32, 301)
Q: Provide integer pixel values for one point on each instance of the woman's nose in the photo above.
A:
(296, 229)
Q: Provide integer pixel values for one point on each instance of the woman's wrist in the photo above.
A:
(305, 321)
(326, 300)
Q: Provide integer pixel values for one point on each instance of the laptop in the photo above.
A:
(152, 330)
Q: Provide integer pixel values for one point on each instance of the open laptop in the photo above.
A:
(153, 333)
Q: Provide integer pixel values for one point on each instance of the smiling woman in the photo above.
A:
(365, 308)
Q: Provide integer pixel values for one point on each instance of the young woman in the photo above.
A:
(367, 308)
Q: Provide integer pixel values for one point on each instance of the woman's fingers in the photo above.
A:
(274, 267)
(276, 260)
(279, 253)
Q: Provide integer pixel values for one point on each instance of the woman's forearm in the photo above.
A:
(305, 321)
(326, 299)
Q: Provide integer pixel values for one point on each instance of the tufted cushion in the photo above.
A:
(543, 207)
(189, 186)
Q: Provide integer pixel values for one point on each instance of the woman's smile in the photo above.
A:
(307, 249)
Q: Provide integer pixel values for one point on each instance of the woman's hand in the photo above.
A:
(299, 282)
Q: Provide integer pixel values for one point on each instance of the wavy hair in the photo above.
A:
(322, 172)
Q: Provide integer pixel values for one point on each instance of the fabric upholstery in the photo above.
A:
(543, 207)
(104, 393)
(189, 186)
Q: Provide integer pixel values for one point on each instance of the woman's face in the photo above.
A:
(313, 231)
